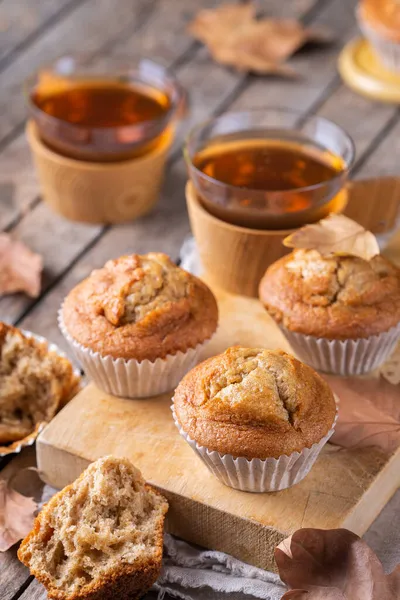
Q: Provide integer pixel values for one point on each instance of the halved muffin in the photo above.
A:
(34, 383)
(99, 538)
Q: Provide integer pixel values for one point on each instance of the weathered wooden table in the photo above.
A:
(35, 31)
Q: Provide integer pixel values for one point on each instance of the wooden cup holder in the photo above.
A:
(234, 258)
(99, 192)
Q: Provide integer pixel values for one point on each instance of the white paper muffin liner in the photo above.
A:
(387, 50)
(257, 475)
(131, 378)
(344, 357)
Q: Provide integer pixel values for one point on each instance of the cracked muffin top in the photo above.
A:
(337, 297)
(140, 307)
(254, 403)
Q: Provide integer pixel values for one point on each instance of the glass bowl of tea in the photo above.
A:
(103, 110)
(269, 169)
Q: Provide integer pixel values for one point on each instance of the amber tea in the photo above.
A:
(100, 117)
(104, 103)
(282, 168)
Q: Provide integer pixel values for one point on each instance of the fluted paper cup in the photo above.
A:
(344, 357)
(131, 378)
(257, 475)
(387, 50)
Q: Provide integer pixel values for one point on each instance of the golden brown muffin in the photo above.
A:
(254, 403)
(140, 307)
(383, 16)
(338, 297)
(100, 538)
(34, 384)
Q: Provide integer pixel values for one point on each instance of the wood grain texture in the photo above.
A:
(212, 88)
(235, 258)
(365, 203)
(21, 21)
(20, 189)
(13, 574)
(88, 28)
(166, 227)
(203, 510)
(99, 193)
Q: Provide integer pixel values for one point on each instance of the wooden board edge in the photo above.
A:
(188, 519)
(216, 529)
(381, 489)
(48, 469)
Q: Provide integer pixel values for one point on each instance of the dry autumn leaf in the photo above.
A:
(20, 268)
(369, 414)
(333, 565)
(17, 513)
(336, 234)
(235, 38)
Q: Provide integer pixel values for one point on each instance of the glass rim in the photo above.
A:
(123, 71)
(260, 111)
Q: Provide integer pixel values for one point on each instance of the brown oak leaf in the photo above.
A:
(20, 268)
(336, 234)
(369, 413)
(334, 564)
(236, 38)
(17, 513)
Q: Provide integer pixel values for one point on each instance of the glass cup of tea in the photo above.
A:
(269, 169)
(103, 111)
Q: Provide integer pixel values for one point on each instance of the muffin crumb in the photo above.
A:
(100, 535)
(34, 383)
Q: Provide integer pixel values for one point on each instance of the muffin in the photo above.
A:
(35, 382)
(138, 324)
(379, 20)
(341, 314)
(100, 538)
(257, 418)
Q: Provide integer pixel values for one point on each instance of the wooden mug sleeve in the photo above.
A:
(98, 192)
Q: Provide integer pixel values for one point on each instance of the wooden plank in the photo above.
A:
(316, 68)
(89, 27)
(362, 118)
(34, 592)
(211, 87)
(202, 509)
(13, 574)
(21, 22)
(384, 160)
(19, 188)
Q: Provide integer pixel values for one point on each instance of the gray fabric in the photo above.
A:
(192, 573)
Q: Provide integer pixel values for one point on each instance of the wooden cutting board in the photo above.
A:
(346, 488)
